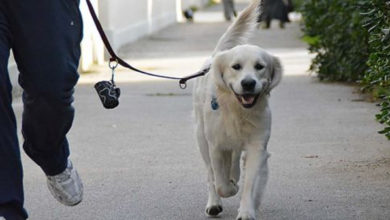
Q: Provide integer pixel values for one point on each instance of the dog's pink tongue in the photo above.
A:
(247, 100)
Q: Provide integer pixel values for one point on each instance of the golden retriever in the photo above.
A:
(233, 118)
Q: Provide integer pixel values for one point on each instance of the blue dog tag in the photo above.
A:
(214, 103)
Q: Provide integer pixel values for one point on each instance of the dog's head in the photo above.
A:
(246, 71)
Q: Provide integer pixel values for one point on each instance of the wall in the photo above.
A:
(91, 46)
(127, 20)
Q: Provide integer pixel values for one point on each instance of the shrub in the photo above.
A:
(298, 4)
(377, 77)
(351, 39)
(333, 31)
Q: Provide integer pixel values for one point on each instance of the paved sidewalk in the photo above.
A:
(139, 161)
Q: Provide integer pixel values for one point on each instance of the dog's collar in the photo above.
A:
(214, 103)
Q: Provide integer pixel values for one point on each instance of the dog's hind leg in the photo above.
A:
(214, 203)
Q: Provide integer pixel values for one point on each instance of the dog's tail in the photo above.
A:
(242, 28)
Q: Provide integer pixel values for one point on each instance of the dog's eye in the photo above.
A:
(258, 66)
(236, 66)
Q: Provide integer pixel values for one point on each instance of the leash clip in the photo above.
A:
(183, 84)
(113, 64)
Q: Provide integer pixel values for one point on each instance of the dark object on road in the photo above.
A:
(229, 10)
(189, 15)
(108, 94)
(276, 9)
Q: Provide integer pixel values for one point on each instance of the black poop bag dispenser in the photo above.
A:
(107, 90)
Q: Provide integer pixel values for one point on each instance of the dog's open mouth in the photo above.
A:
(247, 100)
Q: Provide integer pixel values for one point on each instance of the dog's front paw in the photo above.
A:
(245, 218)
(246, 215)
(228, 190)
(214, 210)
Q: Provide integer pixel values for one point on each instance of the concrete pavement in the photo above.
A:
(139, 161)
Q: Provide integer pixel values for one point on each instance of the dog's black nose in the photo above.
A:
(248, 84)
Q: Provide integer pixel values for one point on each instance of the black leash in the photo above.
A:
(117, 60)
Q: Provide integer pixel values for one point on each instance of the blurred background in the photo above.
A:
(125, 21)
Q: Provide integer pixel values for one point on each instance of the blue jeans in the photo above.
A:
(44, 36)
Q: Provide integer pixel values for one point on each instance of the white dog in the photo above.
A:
(233, 116)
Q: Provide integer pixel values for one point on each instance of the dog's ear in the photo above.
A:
(276, 73)
(219, 66)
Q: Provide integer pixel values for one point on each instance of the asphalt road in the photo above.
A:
(139, 161)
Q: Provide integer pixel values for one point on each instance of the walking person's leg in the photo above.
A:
(268, 22)
(281, 24)
(46, 45)
(227, 9)
(233, 8)
(11, 176)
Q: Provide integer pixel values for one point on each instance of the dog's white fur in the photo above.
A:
(232, 130)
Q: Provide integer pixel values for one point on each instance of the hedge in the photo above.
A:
(351, 40)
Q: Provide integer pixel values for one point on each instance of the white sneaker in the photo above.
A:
(66, 187)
